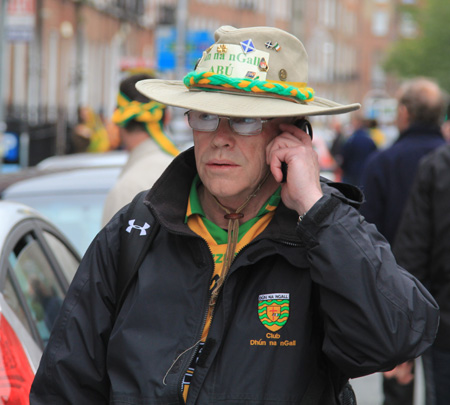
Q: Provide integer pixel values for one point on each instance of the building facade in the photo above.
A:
(80, 49)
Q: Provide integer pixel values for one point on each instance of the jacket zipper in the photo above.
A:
(205, 317)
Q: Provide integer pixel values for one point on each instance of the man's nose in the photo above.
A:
(223, 135)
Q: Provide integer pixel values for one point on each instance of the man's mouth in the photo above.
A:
(221, 163)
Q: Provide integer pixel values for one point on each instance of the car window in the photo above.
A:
(12, 298)
(77, 216)
(37, 282)
(67, 261)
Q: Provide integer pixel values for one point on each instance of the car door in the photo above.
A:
(38, 265)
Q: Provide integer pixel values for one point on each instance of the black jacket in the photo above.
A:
(389, 174)
(352, 311)
(422, 244)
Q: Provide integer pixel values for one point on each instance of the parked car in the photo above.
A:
(61, 163)
(37, 264)
(77, 160)
(73, 200)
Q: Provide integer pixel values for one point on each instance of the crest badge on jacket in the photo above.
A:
(273, 310)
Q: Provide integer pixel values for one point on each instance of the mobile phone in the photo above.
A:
(304, 125)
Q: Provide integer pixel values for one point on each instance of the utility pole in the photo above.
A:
(180, 131)
(3, 11)
(181, 19)
(298, 19)
(270, 13)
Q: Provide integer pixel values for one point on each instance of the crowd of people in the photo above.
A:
(386, 176)
(264, 283)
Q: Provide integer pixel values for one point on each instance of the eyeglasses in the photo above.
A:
(205, 122)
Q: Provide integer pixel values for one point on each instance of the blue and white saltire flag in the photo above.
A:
(248, 46)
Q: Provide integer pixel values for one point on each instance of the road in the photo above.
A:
(368, 389)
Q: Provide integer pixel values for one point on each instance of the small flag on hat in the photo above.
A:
(247, 46)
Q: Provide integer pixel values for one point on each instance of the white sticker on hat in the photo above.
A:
(233, 62)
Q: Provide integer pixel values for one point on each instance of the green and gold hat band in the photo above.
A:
(297, 92)
(128, 109)
(150, 114)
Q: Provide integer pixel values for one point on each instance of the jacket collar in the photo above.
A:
(168, 200)
(420, 130)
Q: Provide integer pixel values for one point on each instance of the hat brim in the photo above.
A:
(175, 93)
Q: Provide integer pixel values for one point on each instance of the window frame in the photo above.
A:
(35, 227)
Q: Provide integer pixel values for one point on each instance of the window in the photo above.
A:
(408, 26)
(37, 282)
(66, 260)
(380, 23)
(12, 298)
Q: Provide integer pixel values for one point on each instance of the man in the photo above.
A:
(422, 247)
(356, 150)
(389, 173)
(142, 130)
(254, 290)
(388, 177)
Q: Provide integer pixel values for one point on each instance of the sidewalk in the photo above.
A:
(369, 390)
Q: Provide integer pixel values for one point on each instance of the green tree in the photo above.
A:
(429, 53)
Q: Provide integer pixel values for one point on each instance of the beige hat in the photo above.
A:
(247, 72)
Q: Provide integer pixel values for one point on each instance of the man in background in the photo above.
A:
(388, 177)
(141, 124)
(422, 247)
(356, 151)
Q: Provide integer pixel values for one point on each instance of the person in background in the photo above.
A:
(422, 246)
(81, 134)
(338, 140)
(446, 125)
(89, 135)
(389, 173)
(356, 150)
(376, 134)
(388, 177)
(142, 125)
(258, 287)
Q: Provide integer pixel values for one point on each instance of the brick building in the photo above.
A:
(80, 48)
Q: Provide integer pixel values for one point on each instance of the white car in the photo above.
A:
(73, 199)
(37, 264)
(77, 160)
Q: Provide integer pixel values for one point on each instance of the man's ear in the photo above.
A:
(403, 119)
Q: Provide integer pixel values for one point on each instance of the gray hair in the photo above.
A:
(424, 100)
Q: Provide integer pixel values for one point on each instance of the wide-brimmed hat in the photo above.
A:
(251, 72)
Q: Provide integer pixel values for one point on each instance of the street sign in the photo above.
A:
(10, 146)
(196, 42)
(384, 110)
(20, 20)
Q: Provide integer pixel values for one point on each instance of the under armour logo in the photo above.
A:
(141, 228)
